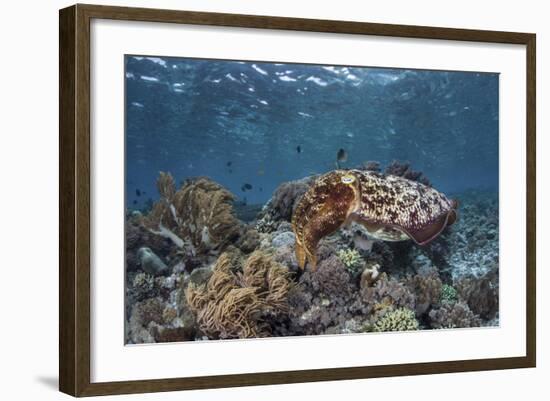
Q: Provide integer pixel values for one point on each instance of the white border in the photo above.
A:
(111, 361)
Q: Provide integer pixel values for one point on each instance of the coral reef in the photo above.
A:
(286, 196)
(194, 271)
(481, 294)
(370, 275)
(448, 293)
(427, 289)
(198, 215)
(453, 315)
(473, 242)
(239, 304)
(401, 319)
(404, 169)
(351, 259)
(151, 263)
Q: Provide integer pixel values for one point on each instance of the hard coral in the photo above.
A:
(198, 215)
(448, 293)
(401, 319)
(427, 289)
(351, 259)
(404, 169)
(286, 196)
(240, 298)
(481, 294)
(453, 315)
(388, 292)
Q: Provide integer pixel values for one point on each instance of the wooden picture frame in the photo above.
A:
(74, 203)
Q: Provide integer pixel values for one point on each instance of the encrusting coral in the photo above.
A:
(237, 303)
(199, 215)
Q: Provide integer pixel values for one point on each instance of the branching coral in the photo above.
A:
(199, 214)
(351, 259)
(448, 293)
(239, 304)
(453, 314)
(401, 319)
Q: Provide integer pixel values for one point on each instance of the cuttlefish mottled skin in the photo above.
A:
(391, 208)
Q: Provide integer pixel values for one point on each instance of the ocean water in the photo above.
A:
(251, 125)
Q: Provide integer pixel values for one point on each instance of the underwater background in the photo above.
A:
(218, 156)
(264, 123)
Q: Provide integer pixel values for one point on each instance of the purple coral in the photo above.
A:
(287, 195)
(404, 169)
(453, 315)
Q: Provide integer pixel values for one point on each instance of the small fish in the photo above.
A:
(134, 202)
(246, 186)
(341, 157)
(299, 149)
(229, 163)
(138, 192)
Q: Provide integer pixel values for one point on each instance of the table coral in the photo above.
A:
(240, 297)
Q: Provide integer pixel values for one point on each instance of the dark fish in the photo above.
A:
(299, 149)
(134, 202)
(261, 189)
(228, 164)
(341, 157)
(246, 186)
(138, 192)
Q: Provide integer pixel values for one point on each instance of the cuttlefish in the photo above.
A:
(391, 208)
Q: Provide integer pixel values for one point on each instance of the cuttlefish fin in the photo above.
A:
(424, 235)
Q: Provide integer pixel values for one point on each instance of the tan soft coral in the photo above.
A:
(200, 214)
(238, 304)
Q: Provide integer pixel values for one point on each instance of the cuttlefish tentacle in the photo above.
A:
(390, 208)
(322, 210)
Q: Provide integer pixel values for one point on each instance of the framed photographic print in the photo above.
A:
(250, 200)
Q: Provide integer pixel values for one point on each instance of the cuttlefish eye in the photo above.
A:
(348, 179)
